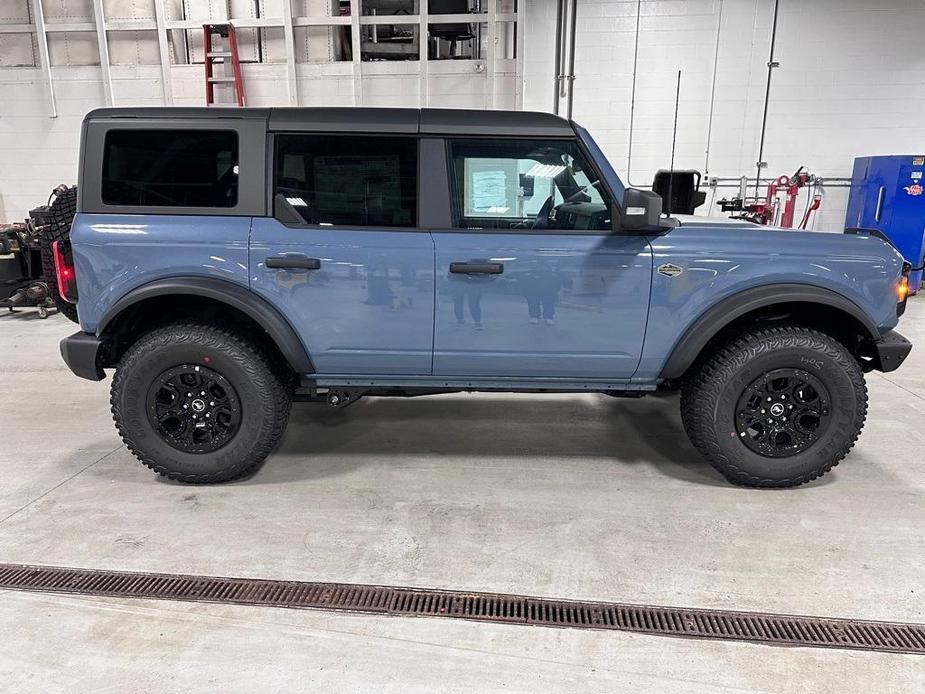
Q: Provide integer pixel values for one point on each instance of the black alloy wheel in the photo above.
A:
(783, 412)
(193, 408)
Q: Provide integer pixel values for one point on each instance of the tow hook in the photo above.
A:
(339, 399)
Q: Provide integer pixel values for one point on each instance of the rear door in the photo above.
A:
(531, 281)
(342, 257)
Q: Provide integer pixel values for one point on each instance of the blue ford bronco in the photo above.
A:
(229, 261)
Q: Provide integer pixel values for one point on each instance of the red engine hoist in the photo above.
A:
(766, 211)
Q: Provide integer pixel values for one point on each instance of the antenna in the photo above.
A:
(674, 141)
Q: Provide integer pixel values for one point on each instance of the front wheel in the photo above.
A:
(199, 403)
(776, 407)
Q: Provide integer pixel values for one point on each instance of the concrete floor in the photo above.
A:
(578, 496)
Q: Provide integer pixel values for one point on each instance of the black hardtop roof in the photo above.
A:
(435, 121)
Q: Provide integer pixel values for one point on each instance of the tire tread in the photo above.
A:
(701, 392)
(272, 383)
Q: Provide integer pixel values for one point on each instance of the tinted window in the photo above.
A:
(170, 168)
(525, 184)
(349, 181)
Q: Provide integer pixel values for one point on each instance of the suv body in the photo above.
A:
(408, 252)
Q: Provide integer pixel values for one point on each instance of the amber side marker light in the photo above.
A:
(902, 289)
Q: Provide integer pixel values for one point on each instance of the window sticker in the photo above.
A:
(488, 192)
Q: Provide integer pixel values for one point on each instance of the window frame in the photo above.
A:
(272, 161)
(107, 151)
(251, 165)
(456, 214)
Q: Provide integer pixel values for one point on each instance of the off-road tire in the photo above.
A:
(709, 397)
(262, 388)
(61, 214)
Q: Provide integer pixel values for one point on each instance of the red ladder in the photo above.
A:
(221, 56)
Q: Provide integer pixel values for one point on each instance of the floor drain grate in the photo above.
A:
(486, 607)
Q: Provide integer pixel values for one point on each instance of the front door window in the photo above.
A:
(525, 184)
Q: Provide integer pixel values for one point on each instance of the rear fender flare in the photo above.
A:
(233, 295)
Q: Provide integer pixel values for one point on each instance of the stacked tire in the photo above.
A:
(60, 215)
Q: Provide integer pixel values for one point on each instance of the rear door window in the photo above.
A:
(349, 180)
(170, 168)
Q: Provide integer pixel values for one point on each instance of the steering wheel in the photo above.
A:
(542, 217)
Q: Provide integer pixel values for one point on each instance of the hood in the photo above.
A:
(831, 239)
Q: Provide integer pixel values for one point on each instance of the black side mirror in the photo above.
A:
(641, 211)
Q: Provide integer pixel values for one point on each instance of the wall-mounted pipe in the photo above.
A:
(767, 94)
(570, 75)
(557, 69)
(706, 152)
(629, 145)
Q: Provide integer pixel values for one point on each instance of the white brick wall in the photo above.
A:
(851, 83)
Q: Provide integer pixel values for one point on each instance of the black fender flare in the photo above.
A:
(721, 314)
(233, 295)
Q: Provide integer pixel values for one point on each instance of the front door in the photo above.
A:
(532, 283)
(341, 258)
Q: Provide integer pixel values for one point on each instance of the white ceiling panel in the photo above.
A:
(73, 48)
(17, 50)
(15, 12)
(65, 11)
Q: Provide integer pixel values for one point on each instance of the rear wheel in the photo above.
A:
(61, 214)
(776, 407)
(199, 403)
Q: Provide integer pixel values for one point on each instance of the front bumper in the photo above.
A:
(81, 352)
(891, 350)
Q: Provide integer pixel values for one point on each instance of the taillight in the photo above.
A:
(64, 271)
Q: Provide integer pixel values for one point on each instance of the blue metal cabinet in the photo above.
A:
(888, 194)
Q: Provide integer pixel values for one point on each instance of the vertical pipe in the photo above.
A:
(103, 50)
(355, 45)
(629, 146)
(164, 51)
(557, 71)
(767, 97)
(674, 141)
(42, 36)
(490, 54)
(519, 55)
(706, 153)
(292, 80)
(573, 18)
(423, 52)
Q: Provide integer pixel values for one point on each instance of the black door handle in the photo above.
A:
(293, 263)
(477, 268)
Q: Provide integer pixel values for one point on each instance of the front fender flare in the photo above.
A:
(233, 295)
(721, 314)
